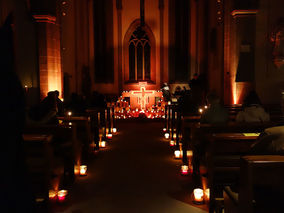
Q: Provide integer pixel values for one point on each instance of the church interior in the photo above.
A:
(142, 105)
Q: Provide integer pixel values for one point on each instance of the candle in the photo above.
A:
(200, 110)
(109, 136)
(207, 194)
(177, 154)
(189, 153)
(114, 130)
(164, 129)
(172, 143)
(76, 170)
(102, 144)
(83, 170)
(52, 194)
(198, 195)
(167, 135)
(69, 113)
(174, 135)
(62, 195)
(184, 169)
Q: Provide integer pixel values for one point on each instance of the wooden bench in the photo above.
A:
(82, 127)
(40, 163)
(66, 144)
(264, 172)
(223, 146)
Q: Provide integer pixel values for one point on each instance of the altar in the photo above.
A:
(142, 99)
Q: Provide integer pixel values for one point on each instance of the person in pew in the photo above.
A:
(59, 104)
(270, 142)
(216, 113)
(44, 113)
(166, 92)
(252, 110)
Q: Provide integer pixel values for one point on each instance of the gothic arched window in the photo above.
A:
(139, 56)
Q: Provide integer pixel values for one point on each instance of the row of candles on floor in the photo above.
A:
(151, 114)
(60, 195)
(199, 195)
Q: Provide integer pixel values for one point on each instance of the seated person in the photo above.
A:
(271, 141)
(45, 112)
(216, 113)
(252, 110)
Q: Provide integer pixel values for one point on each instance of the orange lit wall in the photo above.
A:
(50, 75)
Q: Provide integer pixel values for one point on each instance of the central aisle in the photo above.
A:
(136, 173)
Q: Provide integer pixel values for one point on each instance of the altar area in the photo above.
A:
(140, 103)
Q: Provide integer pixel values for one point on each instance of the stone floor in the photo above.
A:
(135, 173)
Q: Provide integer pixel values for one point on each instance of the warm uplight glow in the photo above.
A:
(114, 130)
(62, 195)
(52, 194)
(184, 169)
(167, 135)
(109, 136)
(198, 195)
(76, 170)
(102, 144)
(177, 154)
(172, 143)
(69, 113)
(83, 170)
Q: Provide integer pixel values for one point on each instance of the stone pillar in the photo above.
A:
(49, 54)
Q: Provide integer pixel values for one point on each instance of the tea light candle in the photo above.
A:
(198, 195)
(189, 153)
(164, 129)
(76, 170)
(114, 130)
(200, 110)
(167, 135)
(69, 113)
(172, 143)
(83, 170)
(207, 194)
(102, 144)
(184, 169)
(52, 194)
(109, 136)
(62, 195)
(177, 154)
(174, 135)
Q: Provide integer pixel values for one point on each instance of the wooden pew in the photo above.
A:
(258, 172)
(223, 146)
(65, 144)
(39, 160)
(223, 161)
(82, 126)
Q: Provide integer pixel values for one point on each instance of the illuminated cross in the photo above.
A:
(143, 95)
